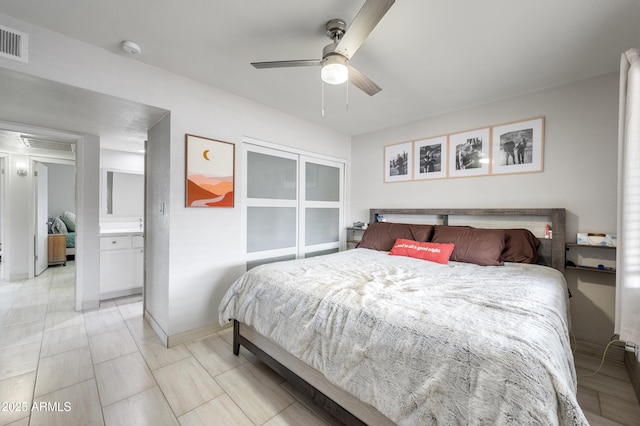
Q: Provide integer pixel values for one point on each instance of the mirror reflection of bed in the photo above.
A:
(62, 238)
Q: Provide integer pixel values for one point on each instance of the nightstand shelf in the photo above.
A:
(353, 236)
(579, 267)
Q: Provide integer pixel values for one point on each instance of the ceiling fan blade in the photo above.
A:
(363, 82)
(365, 21)
(285, 64)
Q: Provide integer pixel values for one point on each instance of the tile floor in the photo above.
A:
(61, 367)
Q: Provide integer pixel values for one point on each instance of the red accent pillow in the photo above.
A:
(439, 253)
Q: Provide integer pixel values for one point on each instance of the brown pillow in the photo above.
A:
(472, 245)
(521, 246)
(383, 235)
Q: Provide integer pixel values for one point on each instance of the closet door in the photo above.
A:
(321, 206)
(272, 205)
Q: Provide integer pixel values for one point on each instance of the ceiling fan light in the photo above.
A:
(334, 70)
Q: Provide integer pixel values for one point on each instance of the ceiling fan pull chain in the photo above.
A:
(347, 95)
(322, 98)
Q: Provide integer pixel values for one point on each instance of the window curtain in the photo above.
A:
(627, 322)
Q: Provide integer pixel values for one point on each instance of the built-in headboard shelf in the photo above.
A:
(552, 251)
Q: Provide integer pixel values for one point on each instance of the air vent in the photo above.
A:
(52, 145)
(14, 44)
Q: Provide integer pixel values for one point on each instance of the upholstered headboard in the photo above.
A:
(551, 250)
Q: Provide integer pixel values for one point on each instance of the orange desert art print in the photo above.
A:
(210, 172)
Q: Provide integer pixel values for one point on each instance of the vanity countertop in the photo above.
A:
(116, 232)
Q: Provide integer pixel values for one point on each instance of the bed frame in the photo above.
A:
(340, 404)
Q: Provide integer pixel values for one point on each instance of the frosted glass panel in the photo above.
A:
(322, 182)
(270, 228)
(322, 226)
(271, 177)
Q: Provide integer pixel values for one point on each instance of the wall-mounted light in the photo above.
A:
(21, 168)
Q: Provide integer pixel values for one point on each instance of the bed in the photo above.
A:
(65, 224)
(382, 339)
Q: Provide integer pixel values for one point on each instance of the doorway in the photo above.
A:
(24, 194)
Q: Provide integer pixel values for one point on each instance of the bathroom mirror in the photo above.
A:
(123, 193)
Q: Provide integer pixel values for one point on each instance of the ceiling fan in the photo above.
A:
(335, 56)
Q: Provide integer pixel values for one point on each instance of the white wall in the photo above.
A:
(17, 203)
(580, 169)
(121, 160)
(205, 252)
(61, 189)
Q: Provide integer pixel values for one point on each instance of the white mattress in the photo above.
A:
(424, 343)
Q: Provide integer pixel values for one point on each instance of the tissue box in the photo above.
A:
(607, 240)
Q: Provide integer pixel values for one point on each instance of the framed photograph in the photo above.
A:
(398, 162)
(430, 158)
(469, 153)
(518, 147)
(210, 172)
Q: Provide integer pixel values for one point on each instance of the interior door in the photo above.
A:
(42, 209)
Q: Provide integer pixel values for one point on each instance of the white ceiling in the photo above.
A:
(429, 56)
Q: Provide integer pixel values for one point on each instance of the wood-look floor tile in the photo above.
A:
(25, 314)
(227, 334)
(596, 420)
(216, 355)
(308, 403)
(22, 422)
(62, 319)
(610, 368)
(18, 360)
(222, 408)
(77, 404)
(157, 355)
(21, 334)
(122, 377)
(61, 293)
(186, 385)
(296, 414)
(103, 320)
(61, 306)
(140, 328)
(111, 344)
(147, 408)
(64, 369)
(30, 300)
(258, 394)
(588, 400)
(19, 392)
(602, 383)
(627, 413)
(130, 310)
(63, 339)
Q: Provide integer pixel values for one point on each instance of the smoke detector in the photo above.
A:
(131, 47)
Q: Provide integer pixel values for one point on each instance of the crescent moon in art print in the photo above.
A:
(205, 154)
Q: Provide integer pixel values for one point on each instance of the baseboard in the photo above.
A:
(615, 353)
(88, 305)
(120, 293)
(18, 277)
(156, 327)
(198, 333)
(633, 368)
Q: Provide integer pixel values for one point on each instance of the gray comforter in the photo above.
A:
(424, 343)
